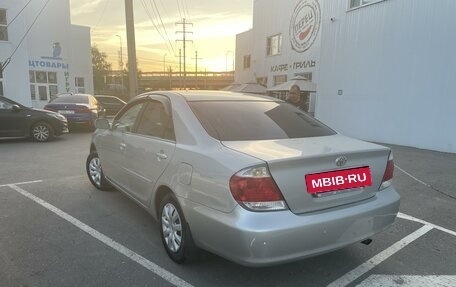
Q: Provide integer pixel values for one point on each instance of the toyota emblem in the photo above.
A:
(341, 161)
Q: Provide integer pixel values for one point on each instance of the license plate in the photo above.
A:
(67, 112)
(338, 180)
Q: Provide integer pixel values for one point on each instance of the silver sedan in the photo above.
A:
(250, 178)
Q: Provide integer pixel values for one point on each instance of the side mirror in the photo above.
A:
(16, 108)
(102, 124)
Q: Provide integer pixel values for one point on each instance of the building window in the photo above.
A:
(42, 92)
(358, 3)
(53, 91)
(79, 83)
(41, 77)
(3, 26)
(32, 92)
(246, 62)
(45, 82)
(52, 77)
(308, 75)
(32, 77)
(274, 45)
(280, 79)
(262, 81)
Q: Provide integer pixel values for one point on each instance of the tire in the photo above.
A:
(175, 232)
(42, 132)
(91, 126)
(95, 172)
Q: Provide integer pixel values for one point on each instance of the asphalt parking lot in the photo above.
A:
(58, 230)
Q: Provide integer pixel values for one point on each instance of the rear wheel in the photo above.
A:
(42, 132)
(95, 172)
(174, 230)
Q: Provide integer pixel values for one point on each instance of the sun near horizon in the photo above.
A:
(158, 36)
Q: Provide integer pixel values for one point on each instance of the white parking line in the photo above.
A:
(166, 275)
(424, 183)
(409, 281)
(414, 178)
(411, 218)
(379, 258)
(20, 183)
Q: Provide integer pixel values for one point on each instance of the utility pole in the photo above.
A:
(121, 62)
(184, 40)
(131, 46)
(180, 68)
(196, 68)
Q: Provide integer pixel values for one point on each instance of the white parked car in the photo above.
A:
(250, 178)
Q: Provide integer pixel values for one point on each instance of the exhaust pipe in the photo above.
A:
(366, 241)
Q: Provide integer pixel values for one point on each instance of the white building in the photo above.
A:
(385, 70)
(54, 57)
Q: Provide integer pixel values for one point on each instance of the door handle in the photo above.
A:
(161, 155)
(123, 146)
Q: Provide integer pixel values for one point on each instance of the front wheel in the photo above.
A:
(174, 230)
(95, 172)
(42, 132)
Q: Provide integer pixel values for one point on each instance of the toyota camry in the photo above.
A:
(250, 178)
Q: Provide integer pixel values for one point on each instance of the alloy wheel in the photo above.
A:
(95, 170)
(41, 132)
(172, 227)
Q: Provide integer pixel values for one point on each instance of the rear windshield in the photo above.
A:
(241, 121)
(75, 99)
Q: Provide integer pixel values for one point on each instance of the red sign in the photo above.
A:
(338, 180)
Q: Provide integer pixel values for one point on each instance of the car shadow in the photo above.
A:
(80, 130)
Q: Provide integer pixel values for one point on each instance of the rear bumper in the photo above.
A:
(81, 119)
(268, 238)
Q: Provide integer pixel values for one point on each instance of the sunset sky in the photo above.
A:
(215, 25)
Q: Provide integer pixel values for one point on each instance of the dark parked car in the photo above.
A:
(79, 109)
(17, 120)
(111, 104)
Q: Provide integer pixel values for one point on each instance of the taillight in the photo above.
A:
(49, 109)
(255, 189)
(389, 171)
(83, 109)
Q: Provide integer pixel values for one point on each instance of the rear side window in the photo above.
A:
(240, 121)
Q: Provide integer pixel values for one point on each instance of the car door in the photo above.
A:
(12, 121)
(149, 148)
(111, 147)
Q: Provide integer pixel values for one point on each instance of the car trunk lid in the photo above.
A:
(291, 160)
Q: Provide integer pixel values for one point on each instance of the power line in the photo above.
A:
(101, 15)
(178, 7)
(114, 54)
(8, 60)
(154, 24)
(163, 8)
(163, 26)
(186, 8)
(19, 13)
(151, 18)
